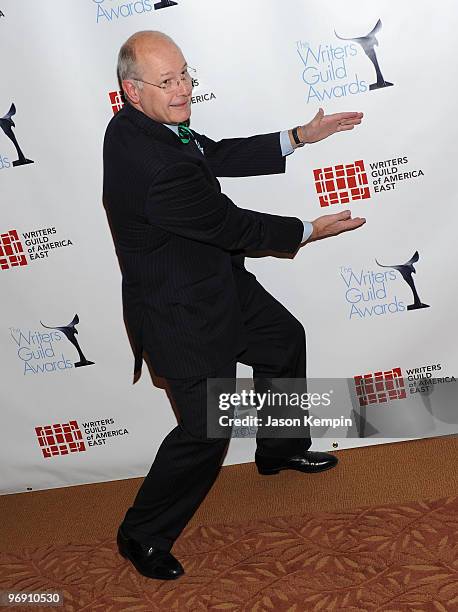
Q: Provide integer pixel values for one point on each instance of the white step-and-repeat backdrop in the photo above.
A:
(379, 305)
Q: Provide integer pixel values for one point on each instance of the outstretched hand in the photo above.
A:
(322, 126)
(332, 225)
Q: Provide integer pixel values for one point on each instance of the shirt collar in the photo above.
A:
(174, 128)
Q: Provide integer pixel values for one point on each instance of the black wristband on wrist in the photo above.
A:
(296, 138)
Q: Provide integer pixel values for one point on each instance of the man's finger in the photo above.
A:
(351, 224)
(334, 217)
(352, 115)
(341, 216)
(319, 115)
(355, 121)
(344, 128)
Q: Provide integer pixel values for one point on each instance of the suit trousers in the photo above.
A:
(187, 462)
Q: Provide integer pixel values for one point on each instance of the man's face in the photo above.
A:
(157, 64)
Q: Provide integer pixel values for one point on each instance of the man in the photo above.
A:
(189, 302)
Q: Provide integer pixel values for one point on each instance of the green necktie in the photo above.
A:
(184, 133)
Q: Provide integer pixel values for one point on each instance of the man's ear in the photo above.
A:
(131, 91)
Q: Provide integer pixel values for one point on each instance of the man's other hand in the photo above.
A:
(322, 126)
(332, 225)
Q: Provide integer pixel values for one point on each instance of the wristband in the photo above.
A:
(296, 138)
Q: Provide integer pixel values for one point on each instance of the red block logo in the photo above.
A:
(380, 387)
(11, 251)
(117, 100)
(60, 439)
(342, 183)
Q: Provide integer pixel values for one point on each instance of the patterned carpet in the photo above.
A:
(382, 559)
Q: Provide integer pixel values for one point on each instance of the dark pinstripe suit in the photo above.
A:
(176, 234)
(188, 300)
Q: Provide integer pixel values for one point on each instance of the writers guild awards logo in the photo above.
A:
(368, 44)
(406, 270)
(70, 332)
(7, 125)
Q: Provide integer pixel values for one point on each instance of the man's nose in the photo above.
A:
(184, 86)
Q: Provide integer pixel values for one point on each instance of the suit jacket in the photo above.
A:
(179, 240)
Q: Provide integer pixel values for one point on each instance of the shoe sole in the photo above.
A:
(267, 472)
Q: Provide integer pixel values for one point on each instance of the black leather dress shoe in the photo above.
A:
(149, 561)
(308, 461)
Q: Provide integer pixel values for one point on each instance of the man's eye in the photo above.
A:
(166, 83)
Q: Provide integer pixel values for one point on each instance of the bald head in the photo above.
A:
(155, 78)
(139, 49)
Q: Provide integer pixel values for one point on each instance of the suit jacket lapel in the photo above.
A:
(166, 136)
(156, 129)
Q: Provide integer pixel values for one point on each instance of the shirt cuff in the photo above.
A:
(285, 143)
(308, 229)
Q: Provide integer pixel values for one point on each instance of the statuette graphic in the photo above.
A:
(7, 125)
(164, 4)
(368, 43)
(70, 332)
(406, 270)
